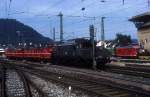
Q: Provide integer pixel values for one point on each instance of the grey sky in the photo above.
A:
(42, 15)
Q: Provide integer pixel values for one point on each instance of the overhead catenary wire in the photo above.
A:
(9, 6)
(83, 7)
(107, 1)
(41, 13)
(54, 5)
(121, 8)
(6, 9)
(99, 16)
(91, 5)
(80, 16)
(123, 1)
(148, 2)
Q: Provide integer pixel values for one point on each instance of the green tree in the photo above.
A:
(122, 39)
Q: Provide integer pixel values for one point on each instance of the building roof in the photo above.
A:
(144, 16)
(74, 41)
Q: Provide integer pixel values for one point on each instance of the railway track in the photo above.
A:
(82, 79)
(131, 60)
(15, 86)
(130, 69)
(14, 83)
(119, 70)
(110, 86)
(93, 88)
(133, 70)
(17, 83)
(55, 88)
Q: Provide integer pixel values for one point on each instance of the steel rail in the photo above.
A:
(3, 92)
(52, 77)
(103, 81)
(25, 82)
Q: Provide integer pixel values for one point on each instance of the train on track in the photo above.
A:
(131, 51)
(75, 52)
(127, 51)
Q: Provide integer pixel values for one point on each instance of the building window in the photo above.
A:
(146, 41)
(142, 42)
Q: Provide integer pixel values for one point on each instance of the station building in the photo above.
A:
(142, 23)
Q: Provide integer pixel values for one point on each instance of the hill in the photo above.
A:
(14, 32)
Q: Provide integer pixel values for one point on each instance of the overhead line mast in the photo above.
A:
(102, 31)
(54, 34)
(61, 26)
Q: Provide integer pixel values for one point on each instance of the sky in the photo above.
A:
(42, 15)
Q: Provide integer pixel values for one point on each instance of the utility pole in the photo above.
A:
(6, 10)
(123, 2)
(93, 45)
(102, 31)
(148, 3)
(54, 34)
(61, 26)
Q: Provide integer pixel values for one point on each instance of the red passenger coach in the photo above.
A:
(37, 54)
(12, 54)
(128, 51)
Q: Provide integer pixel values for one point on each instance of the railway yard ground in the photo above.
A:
(78, 48)
(30, 79)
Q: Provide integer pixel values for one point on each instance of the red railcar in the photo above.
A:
(10, 53)
(38, 54)
(127, 51)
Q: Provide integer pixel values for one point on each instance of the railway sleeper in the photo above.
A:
(123, 95)
(114, 93)
(62, 81)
